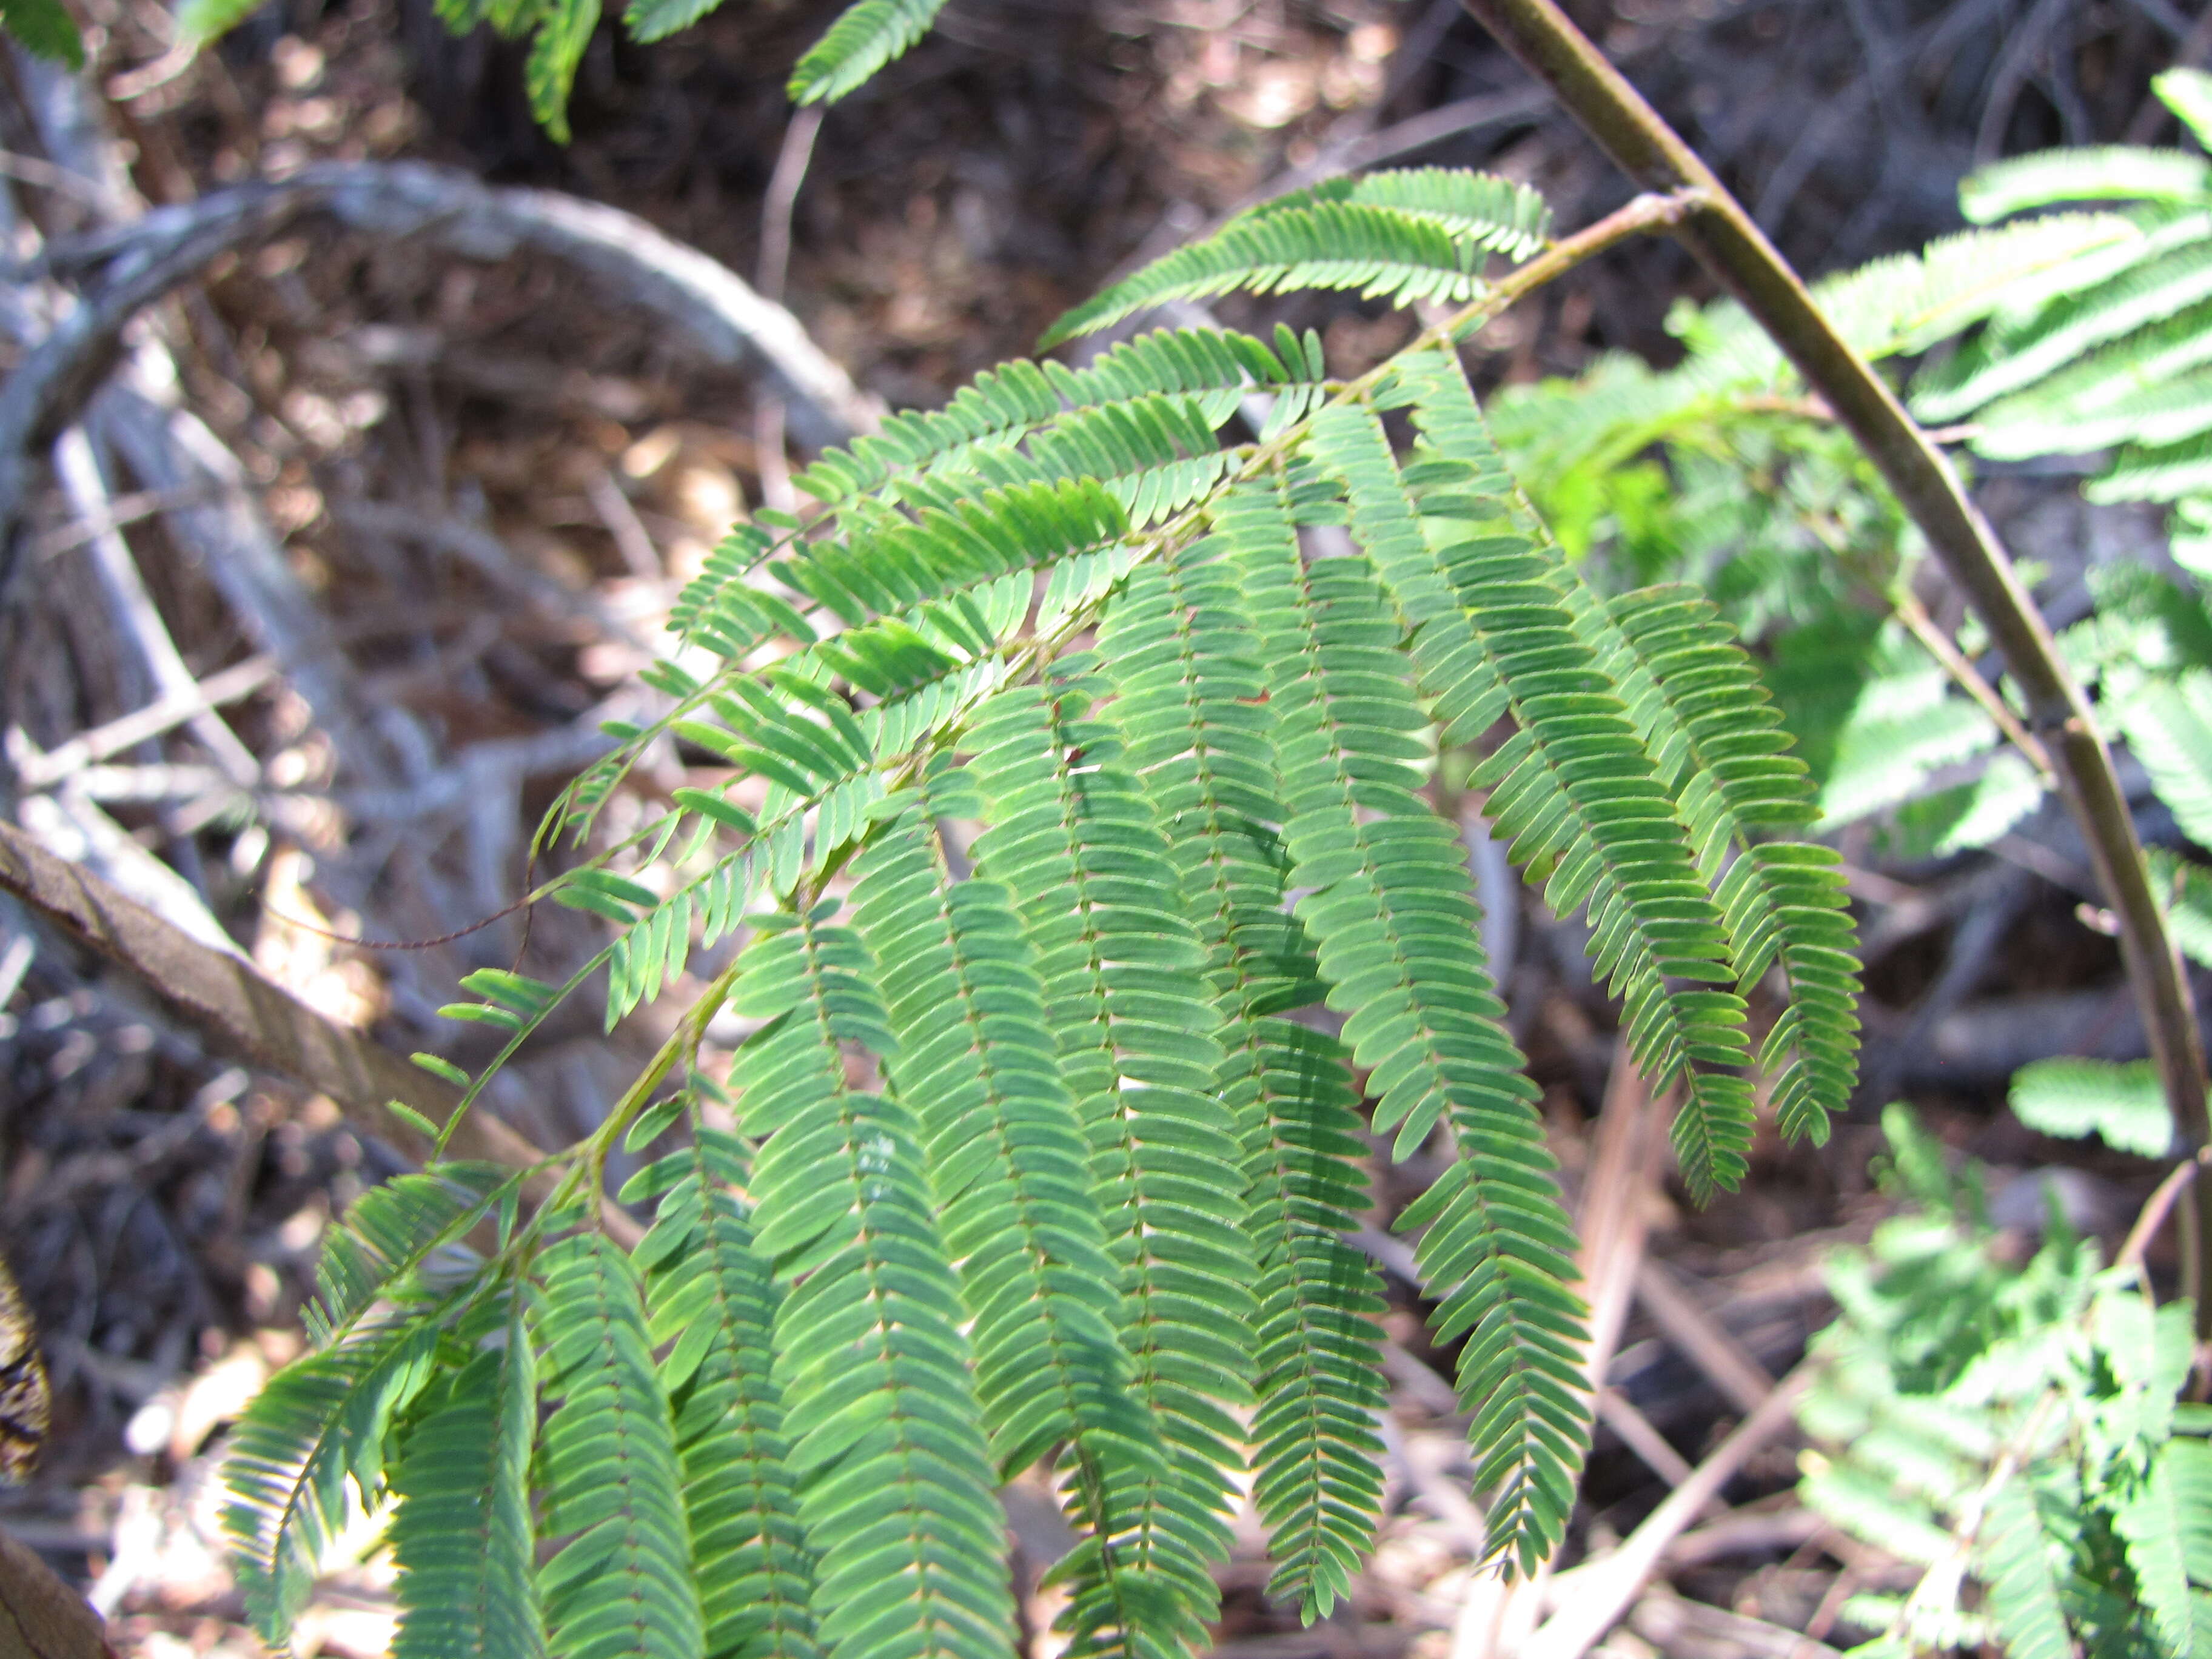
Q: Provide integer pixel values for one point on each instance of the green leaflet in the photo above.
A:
(887, 562)
(1903, 303)
(564, 29)
(2173, 271)
(893, 1485)
(926, 670)
(622, 1583)
(2188, 93)
(1703, 713)
(1907, 302)
(389, 1234)
(1155, 454)
(656, 19)
(2105, 172)
(862, 40)
(196, 20)
(1035, 1159)
(1491, 212)
(2123, 1103)
(2088, 404)
(2023, 1590)
(1395, 924)
(1189, 706)
(709, 1301)
(722, 611)
(1008, 1165)
(308, 1450)
(1022, 401)
(1316, 1449)
(1412, 236)
(2155, 472)
(1572, 793)
(2186, 890)
(2167, 1525)
(2164, 418)
(2010, 1427)
(2169, 726)
(47, 28)
(1138, 1042)
(1903, 725)
(461, 1533)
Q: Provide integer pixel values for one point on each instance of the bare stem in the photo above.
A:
(1731, 246)
(1933, 640)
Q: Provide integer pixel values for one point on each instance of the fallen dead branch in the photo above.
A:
(128, 267)
(228, 998)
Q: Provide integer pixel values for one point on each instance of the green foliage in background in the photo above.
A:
(868, 35)
(46, 27)
(2011, 1429)
(1072, 865)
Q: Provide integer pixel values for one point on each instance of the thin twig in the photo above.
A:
(769, 275)
(776, 206)
(1707, 1343)
(622, 523)
(166, 713)
(1938, 645)
(1601, 1591)
(1731, 246)
(135, 613)
(2154, 1211)
(122, 511)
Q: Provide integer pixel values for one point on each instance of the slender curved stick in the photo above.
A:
(1731, 246)
(1595, 1594)
(2154, 1211)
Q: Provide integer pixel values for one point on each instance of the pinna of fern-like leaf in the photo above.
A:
(390, 1231)
(1191, 702)
(621, 1583)
(309, 1449)
(893, 1481)
(1698, 700)
(460, 1532)
(1009, 1165)
(2169, 271)
(1500, 214)
(865, 37)
(1393, 914)
(1572, 793)
(1006, 406)
(2092, 173)
(711, 1305)
(1137, 1039)
(1404, 236)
